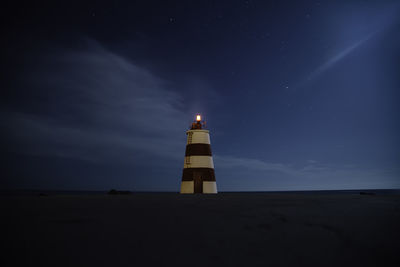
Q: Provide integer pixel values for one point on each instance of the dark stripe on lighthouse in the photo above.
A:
(198, 150)
(207, 174)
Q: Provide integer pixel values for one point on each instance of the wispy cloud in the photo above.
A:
(98, 107)
(311, 175)
(248, 164)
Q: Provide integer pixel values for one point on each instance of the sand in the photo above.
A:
(228, 229)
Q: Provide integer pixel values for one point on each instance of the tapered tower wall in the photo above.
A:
(198, 168)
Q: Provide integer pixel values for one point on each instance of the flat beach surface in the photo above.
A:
(228, 229)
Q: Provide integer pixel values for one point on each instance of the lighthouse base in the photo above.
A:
(187, 187)
(208, 187)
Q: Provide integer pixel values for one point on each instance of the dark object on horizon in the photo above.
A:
(43, 195)
(367, 193)
(118, 192)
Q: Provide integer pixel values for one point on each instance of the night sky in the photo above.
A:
(297, 95)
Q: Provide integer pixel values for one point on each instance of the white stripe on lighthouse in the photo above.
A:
(199, 162)
(198, 137)
(187, 187)
(209, 187)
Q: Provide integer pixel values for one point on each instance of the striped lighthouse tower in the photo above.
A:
(198, 169)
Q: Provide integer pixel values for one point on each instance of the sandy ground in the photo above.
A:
(228, 229)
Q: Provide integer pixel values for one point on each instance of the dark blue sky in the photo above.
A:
(298, 95)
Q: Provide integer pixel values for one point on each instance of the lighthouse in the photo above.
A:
(198, 168)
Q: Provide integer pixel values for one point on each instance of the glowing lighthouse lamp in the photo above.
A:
(198, 169)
